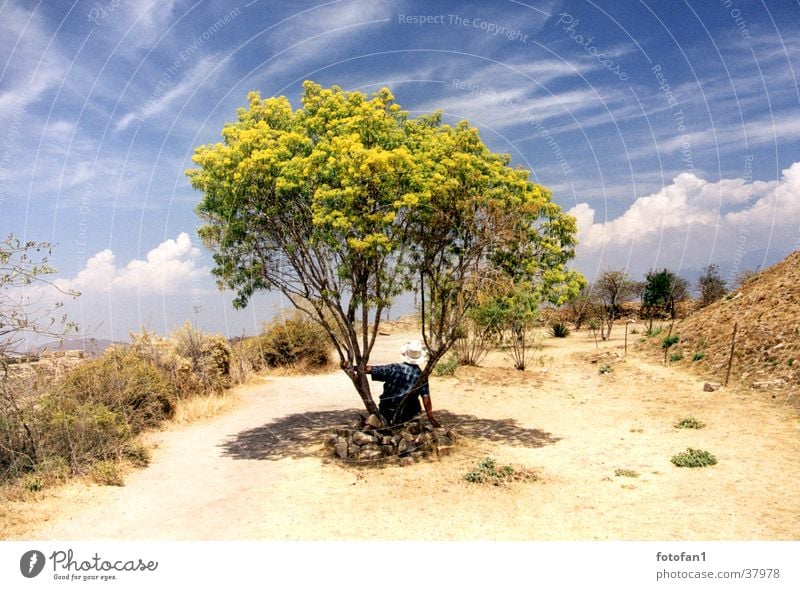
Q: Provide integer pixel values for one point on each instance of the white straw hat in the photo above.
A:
(414, 353)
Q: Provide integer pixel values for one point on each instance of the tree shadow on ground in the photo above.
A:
(298, 435)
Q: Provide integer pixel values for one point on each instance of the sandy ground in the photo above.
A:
(259, 472)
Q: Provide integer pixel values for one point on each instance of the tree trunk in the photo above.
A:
(361, 382)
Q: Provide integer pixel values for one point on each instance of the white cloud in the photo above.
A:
(701, 220)
(165, 270)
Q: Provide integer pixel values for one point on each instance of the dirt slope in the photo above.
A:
(258, 472)
(767, 351)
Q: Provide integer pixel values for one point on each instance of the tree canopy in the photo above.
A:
(346, 202)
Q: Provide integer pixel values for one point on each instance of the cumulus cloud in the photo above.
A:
(691, 222)
(690, 202)
(165, 270)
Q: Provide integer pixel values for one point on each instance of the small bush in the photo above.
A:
(675, 357)
(694, 458)
(106, 473)
(447, 366)
(488, 471)
(606, 369)
(559, 330)
(634, 331)
(654, 331)
(626, 473)
(670, 341)
(293, 341)
(698, 356)
(689, 422)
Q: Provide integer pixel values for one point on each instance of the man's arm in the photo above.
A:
(426, 401)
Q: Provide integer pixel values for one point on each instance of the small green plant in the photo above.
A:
(626, 473)
(488, 471)
(447, 366)
(676, 356)
(698, 356)
(654, 331)
(606, 369)
(790, 362)
(670, 341)
(106, 473)
(559, 330)
(694, 458)
(689, 422)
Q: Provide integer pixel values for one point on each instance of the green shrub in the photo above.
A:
(125, 384)
(689, 422)
(487, 471)
(654, 331)
(694, 458)
(698, 356)
(447, 366)
(559, 330)
(676, 356)
(606, 369)
(670, 341)
(626, 473)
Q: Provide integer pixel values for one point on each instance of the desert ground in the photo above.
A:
(260, 471)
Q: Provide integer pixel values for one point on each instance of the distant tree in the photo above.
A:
(343, 204)
(612, 288)
(662, 291)
(711, 285)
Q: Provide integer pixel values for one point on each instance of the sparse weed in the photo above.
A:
(488, 471)
(654, 331)
(675, 357)
(606, 369)
(694, 458)
(698, 356)
(559, 330)
(447, 366)
(689, 422)
(626, 473)
(670, 341)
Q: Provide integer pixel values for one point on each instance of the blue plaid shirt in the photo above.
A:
(398, 379)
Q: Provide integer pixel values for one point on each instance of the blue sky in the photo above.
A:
(670, 128)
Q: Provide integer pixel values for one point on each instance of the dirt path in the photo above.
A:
(257, 472)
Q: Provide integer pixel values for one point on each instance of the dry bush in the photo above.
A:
(195, 363)
(202, 407)
(294, 341)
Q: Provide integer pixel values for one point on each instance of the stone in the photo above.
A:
(370, 454)
(331, 440)
(341, 449)
(403, 446)
(413, 427)
(388, 450)
(407, 460)
(407, 436)
(360, 438)
(711, 386)
(358, 423)
(373, 421)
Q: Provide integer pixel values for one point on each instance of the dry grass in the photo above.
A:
(199, 408)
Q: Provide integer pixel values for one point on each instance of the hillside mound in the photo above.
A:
(767, 312)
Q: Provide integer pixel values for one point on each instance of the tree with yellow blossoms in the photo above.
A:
(345, 203)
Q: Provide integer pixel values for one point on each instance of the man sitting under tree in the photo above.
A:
(398, 403)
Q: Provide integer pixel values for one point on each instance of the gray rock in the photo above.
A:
(331, 440)
(341, 449)
(711, 386)
(403, 446)
(370, 454)
(360, 438)
(373, 421)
